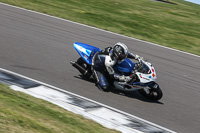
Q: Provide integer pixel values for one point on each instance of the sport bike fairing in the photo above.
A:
(146, 72)
(87, 52)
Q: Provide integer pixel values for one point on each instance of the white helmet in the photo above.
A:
(120, 51)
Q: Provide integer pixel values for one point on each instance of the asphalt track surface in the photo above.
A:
(40, 47)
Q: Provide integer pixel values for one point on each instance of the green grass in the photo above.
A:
(176, 26)
(21, 113)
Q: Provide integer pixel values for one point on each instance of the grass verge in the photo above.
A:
(22, 113)
(172, 25)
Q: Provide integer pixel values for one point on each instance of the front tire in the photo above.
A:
(155, 93)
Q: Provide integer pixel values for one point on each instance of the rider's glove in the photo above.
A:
(137, 57)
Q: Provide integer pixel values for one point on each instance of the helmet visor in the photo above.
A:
(121, 57)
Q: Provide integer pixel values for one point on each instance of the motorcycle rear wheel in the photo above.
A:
(83, 64)
(155, 94)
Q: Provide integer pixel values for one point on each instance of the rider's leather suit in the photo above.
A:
(102, 65)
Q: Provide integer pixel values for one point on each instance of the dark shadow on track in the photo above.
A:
(132, 94)
(135, 95)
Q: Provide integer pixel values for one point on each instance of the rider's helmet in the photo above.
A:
(120, 51)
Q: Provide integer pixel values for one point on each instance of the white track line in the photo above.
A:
(100, 29)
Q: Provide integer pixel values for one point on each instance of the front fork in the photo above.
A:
(150, 87)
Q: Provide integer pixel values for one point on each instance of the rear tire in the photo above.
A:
(83, 64)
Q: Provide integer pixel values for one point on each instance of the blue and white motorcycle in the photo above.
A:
(143, 82)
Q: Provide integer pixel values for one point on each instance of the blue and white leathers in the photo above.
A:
(103, 64)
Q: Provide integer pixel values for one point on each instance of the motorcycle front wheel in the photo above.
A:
(155, 93)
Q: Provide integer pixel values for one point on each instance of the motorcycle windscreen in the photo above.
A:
(126, 67)
(86, 51)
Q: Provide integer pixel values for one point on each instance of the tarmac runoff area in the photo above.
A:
(102, 114)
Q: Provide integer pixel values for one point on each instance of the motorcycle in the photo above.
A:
(143, 81)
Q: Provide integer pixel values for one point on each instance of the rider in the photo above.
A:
(104, 61)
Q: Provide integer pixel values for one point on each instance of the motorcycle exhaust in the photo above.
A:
(81, 69)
